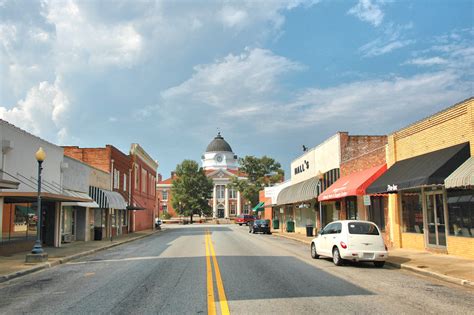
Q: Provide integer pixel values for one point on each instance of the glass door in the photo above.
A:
(435, 220)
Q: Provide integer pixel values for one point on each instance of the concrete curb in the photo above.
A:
(63, 260)
(432, 274)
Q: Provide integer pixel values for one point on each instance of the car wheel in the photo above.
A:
(379, 264)
(336, 257)
(314, 253)
(253, 232)
(240, 224)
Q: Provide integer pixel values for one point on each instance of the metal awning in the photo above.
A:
(259, 206)
(422, 170)
(463, 176)
(303, 191)
(89, 204)
(8, 184)
(107, 199)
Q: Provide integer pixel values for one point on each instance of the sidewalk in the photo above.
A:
(452, 269)
(14, 266)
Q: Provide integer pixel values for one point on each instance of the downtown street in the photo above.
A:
(221, 269)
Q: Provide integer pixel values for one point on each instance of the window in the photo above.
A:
(164, 195)
(220, 191)
(152, 185)
(351, 208)
(165, 208)
(233, 209)
(246, 209)
(124, 217)
(137, 178)
(333, 228)
(461, 213)
(412, 213)
(116, 179)
(232, 193)
(125, 182)
(376, 212)
(144, 180)
(362, 228)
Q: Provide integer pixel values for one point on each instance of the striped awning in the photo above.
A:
(303, 191)
(89, 204)
(463, 176)
(107, 199)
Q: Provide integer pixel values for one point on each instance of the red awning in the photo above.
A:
(352, 185)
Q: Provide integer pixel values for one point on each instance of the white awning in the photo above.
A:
(463, 176)
(302, 191)
(90, 204)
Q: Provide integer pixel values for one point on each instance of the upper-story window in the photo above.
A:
(220, 191)
(164, 195)
(125, 182)
(232, 193)
(144, 180)
(137, 178)
(116, 179)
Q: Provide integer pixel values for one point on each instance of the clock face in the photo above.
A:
(219, 158)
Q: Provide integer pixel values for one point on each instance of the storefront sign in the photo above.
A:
(392, 187)
(366, 200)
(301, 168)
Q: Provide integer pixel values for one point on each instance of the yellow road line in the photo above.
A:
(220, 285)
(211, 305)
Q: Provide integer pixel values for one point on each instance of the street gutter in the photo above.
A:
(424, 272)
(66, 259)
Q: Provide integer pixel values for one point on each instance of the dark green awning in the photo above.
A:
(259, 207)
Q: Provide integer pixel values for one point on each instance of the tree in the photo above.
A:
(261, 172)
(191, 190)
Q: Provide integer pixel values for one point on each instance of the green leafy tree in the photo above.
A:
(191, 190)
(260, 172)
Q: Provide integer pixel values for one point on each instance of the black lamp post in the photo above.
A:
(40, 157)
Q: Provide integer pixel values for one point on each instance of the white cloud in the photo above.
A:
(232, 17)
(393, 38)
(43, 112)
(380, 47)
(427, 61)
(367, 11)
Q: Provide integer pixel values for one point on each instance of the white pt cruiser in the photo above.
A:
(350, 240)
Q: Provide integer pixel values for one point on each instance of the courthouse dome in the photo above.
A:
(218, 145)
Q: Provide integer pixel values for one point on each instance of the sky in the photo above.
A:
(270, 75)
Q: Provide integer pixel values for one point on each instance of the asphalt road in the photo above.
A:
(174, 273)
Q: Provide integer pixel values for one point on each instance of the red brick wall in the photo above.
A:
(97, 157)
(363, 162)
(122, 164)
(143, 219)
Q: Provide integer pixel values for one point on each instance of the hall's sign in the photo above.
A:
(302, 167)
(392, 187)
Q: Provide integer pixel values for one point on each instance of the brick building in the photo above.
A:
(163, 194)
(116, 163)
(143, 197)
(427, 209)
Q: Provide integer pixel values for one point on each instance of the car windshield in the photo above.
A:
(363, 228)
(260, 222)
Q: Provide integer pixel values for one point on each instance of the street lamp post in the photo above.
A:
(37, 253)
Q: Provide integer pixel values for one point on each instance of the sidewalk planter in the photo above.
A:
(276, 224)
(290, 226)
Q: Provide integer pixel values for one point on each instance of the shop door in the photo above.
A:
(220, 212)
(435, 220)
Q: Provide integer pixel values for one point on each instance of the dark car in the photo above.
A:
(260, 226)
(244, 219)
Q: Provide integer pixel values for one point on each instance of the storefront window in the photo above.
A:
(461, 213)
(19, 222)
(68, 221)
(376, 212)
(412, 213)
(351, 208)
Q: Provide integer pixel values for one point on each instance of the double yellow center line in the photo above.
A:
(211, 305)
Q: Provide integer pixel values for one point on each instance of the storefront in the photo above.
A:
(420, 200)
(110, 218)
(345, 199)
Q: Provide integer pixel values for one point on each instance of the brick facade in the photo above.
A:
(452, 126)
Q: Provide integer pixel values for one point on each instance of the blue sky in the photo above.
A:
(272, 75)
